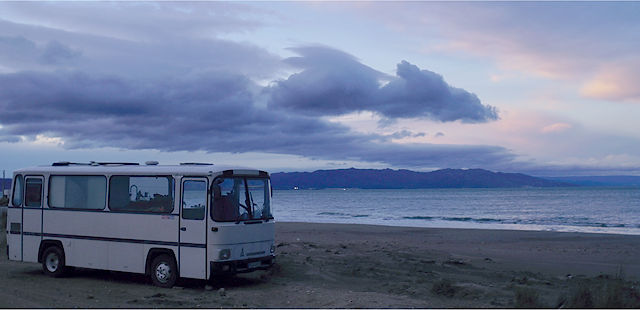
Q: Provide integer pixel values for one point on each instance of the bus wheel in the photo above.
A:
(53, 261)
(164, 271)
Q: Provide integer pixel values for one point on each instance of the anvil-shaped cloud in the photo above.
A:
(333, 83)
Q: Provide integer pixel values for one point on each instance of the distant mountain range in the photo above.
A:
(620, 180)
(396, 179)
(445, 178)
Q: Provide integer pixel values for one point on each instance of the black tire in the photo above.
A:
(163, 272)
(53, 263)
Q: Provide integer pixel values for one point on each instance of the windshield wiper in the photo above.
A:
(247, 198)
(253, 204)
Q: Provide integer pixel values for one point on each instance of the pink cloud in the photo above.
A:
(557, 127)
(615, 82)
(568, 41)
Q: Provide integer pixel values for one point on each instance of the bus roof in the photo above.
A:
(190, 169)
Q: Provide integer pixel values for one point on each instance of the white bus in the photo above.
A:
(167, 221)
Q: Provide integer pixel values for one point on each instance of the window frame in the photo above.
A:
(106, 193)
(172, 191)
(206, 199)
(245, 179)
(33, 177)
(13, 192)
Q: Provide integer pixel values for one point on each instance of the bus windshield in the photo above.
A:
(241, 198)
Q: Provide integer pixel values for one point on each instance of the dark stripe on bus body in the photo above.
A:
(108, 211)
(227, 244)
(169, 243)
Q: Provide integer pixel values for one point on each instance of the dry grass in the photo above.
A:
(603, 292)
(3, 221)
(527, 298)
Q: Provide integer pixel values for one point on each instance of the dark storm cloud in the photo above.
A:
(402, 134)
(27, 47)
(209, 111)
(55, 52)
(331, 83)
(424, 93)
(334, 83)
(168, 82)
(19, 51)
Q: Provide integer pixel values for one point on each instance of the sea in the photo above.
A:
(569, 209)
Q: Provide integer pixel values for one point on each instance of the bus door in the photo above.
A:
(32, 217)
(193, 228)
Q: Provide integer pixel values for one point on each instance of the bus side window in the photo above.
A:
(146, 194)
(33, 193)
(194, 200)
(17, 191)
(77, 191)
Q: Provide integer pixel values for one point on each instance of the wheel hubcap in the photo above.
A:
(163, 272)
(52, 262)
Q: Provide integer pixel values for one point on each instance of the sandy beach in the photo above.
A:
(354, 266)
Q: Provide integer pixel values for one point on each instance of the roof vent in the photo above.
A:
(151, 162)
(196, 164)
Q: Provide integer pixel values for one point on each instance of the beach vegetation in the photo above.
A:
(604, 293)
(581, 297)
(3, 220)
(527, 298)
(444, 287)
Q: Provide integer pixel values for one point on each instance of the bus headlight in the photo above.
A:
(224, 254)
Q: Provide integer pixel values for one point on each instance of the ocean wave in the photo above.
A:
(458, 219)
(418, 217)
(583, 222)
(342, 214)
(333, 213)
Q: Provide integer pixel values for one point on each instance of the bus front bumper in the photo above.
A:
(241, 266)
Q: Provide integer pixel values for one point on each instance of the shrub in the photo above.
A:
(607, 293)
(581, 297)
(527, 298)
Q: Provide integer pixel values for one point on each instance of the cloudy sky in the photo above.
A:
(545, 88)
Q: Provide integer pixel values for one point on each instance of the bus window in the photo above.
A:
(33, 193)
(259, 195)
(240, 198)
(17, 191)
(226, 199)
(77, 192)
(141, 194)
(194, 199)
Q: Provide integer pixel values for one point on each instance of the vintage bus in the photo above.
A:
(191, 220)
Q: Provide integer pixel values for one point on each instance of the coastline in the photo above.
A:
(435, 224)
(367, 266)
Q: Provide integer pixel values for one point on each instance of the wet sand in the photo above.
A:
(349, 266)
